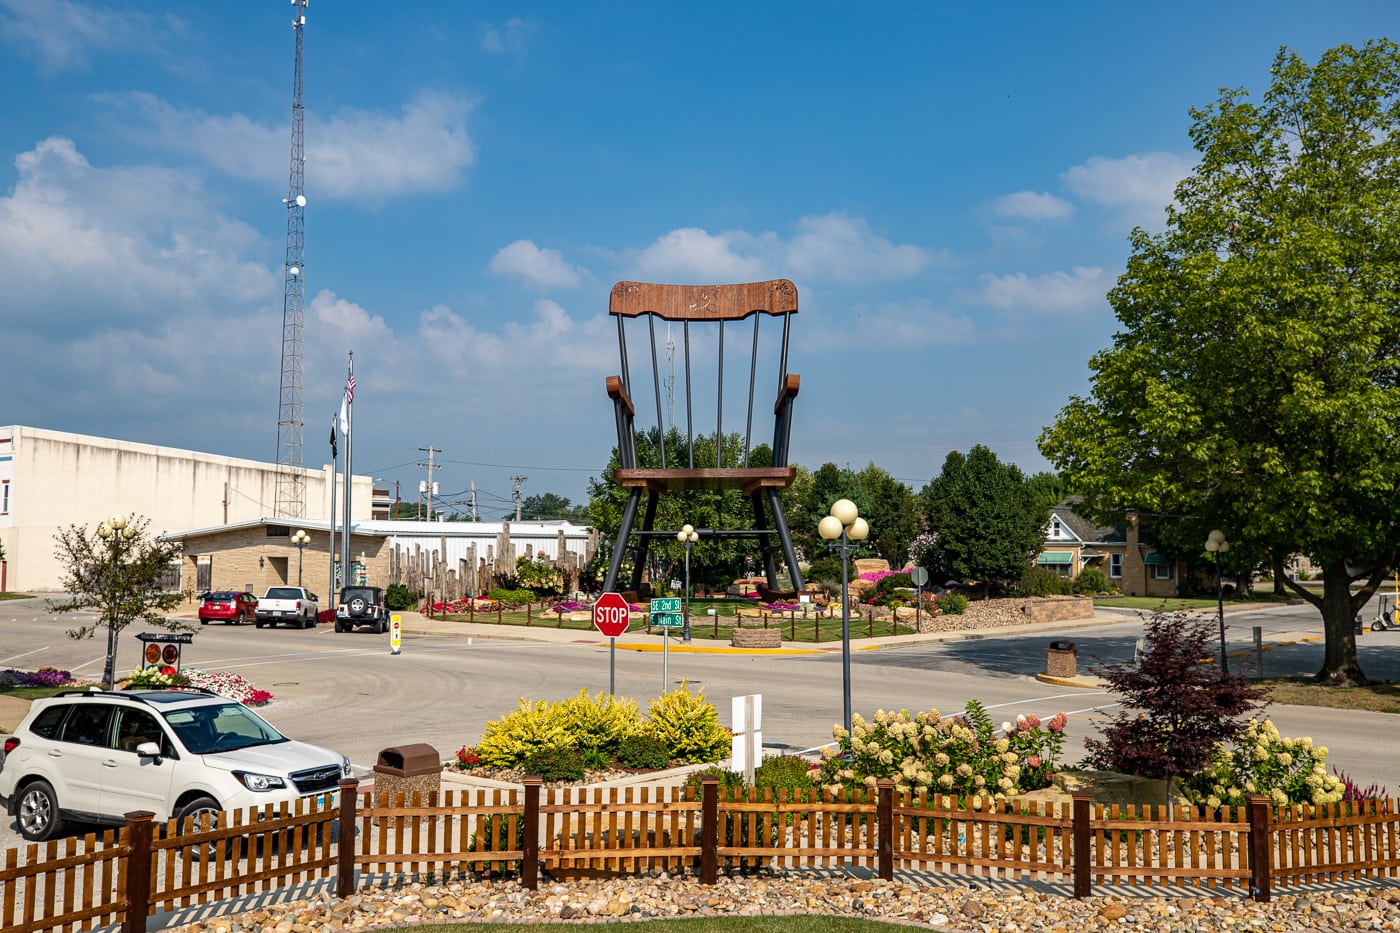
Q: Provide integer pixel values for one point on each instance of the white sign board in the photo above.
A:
(746, 746)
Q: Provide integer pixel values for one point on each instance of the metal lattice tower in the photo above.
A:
(291, 480)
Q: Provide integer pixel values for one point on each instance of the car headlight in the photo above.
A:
(259, 782)
(345, 770)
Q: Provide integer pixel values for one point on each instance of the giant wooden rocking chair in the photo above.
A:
(710, 307)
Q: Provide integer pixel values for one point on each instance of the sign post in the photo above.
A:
(920, 576)
(746, 745)
(610, 619)
(666, 613)
(395, 634)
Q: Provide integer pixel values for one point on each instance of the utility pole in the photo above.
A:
(519, 481)
(474, 518)
(430, 451)
(430, 467)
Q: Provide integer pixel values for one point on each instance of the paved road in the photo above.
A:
(349, 693)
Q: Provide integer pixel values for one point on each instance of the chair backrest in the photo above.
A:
(708, 308)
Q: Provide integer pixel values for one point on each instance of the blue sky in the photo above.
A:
(950, 186)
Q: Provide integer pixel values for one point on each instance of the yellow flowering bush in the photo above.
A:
(1262, 761)
(957, 755)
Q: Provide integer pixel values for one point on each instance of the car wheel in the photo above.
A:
(257, 623)
(383, 627)
(37, 812)
(203, 621)
(358, 605)
(192, 819)
(339, 626)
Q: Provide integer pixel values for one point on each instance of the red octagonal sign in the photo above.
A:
(610, 614)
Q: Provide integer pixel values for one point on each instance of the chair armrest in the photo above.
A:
(618, 393)
(787, 392)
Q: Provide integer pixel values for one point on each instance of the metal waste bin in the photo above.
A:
(408, 770)
(1061, 659)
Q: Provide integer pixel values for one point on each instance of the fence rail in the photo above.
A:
(125, 876)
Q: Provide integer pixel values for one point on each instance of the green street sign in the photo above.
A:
(666, 604)
(668, 619)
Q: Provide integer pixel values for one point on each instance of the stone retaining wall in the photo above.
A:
(756, 638)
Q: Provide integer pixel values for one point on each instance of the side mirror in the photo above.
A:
(149, 750)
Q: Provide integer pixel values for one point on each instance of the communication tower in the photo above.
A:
(291, 480)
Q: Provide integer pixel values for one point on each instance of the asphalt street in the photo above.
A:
(349, 693)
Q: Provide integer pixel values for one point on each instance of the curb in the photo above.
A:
(695, 649)
(1070, 682)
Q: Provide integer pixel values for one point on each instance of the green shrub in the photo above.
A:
(490, 829)
(507, 742)
(1091, 581)
(560, 763)
(953, 604)
(643, 751)
(595, 759)
(597, 722)
(398, 596)
(1037, 581)
(825, 567)
(1265, 762)
(687, 725)
(789, 772)
(727, 779)
(511, 597)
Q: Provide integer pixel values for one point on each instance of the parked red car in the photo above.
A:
(228, 607)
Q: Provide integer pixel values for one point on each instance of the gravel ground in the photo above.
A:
(936, 904)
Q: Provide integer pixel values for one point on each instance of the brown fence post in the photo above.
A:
(1260, 848)
(345, 838)
(530, 855)
(709, 829)
(884, 826)
(138, 871)
(1079, 826)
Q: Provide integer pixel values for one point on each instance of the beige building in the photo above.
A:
(51, 479)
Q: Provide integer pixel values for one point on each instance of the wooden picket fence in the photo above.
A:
(382, 839)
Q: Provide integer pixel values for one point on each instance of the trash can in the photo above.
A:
(1061, 659)
(408, 770)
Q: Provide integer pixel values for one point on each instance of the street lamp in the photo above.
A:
(843, 530)
(687, 536)
(114, 531)
(1217, 545)
(300, 539)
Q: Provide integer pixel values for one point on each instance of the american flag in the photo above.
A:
(350, 387)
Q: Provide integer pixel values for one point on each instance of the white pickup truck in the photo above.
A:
(291, 604)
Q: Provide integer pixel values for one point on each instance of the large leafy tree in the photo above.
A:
(121, 575)
(987, 520)
(1254, 381)
(889, 506)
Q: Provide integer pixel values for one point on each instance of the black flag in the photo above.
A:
(333, 450)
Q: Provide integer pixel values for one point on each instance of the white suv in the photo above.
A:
(95, 755)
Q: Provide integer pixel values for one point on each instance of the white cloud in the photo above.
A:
(350, 154)
(1141, 184)
(509, 37)
(59, 34)
(542, 268)
(1054, 292)
(831, 247)
(1032, 205)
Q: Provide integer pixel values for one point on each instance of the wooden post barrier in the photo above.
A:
(345, 838)
(528, 607)
(793, 634)
(1079, 829)
(1260, 848)
(709, 830)
(884, 826)
(530, 854)
(138, 871)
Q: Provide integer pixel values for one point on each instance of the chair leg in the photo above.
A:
(644, 543)
(760, 522)
(785, 539)
(629, 515)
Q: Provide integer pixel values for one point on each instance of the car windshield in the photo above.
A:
(221, 597)
(223, 728)
(364, 594)
(283, 592)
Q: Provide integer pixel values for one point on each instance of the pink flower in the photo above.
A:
(1032, 721)
(1058, 722)
(1034, 761)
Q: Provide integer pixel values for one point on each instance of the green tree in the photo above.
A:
(547, 505)
(1048, 488)
(890, 507)
(1253, 381)
(119, 571)
(988, 521)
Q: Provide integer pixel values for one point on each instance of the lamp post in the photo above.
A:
(114, 531)
(1217, 545)
(300, 538)
(843, 531)
(687, 536)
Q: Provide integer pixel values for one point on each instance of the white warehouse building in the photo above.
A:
(52, 479)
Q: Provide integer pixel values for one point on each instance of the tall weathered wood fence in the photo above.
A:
(126, 875)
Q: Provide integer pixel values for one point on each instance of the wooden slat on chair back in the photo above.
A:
(703, 302)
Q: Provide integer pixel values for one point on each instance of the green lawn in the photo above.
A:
(801, 924)
(707, 627)
(1162, 604)
(36, 693)
(4, 596)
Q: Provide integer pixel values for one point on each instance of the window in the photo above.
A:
(4, 497)
(1055, 529)
(1161, 571)
(135, 726)
(1115, 565)
(47, 723)
(88, 724)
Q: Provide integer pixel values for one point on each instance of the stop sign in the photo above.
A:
(610, 614)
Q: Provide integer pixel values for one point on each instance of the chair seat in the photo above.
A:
(674, 480)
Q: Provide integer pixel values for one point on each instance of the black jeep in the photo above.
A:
(362, 605)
